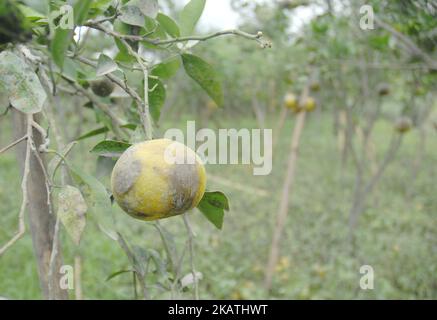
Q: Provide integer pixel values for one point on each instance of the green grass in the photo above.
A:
(396, 235)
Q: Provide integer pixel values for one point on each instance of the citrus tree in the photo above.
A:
(112, 58)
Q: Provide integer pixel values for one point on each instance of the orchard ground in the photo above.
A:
(396, 235)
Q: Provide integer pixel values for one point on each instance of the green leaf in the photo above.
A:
(117, 273)
(93, 133)
(154, 30)
(70, 69)
(81, 9)
(97, 199)
(105, 65)
(379, 42)
(201, 72)
(213, 205)
(59, 45)
(103, 130)
(167, 69)
(71, 212)
(156, 98)
(169, 25)
(110, 148)
(123, 55)
(101, 4)
(30, 14)
(20, 83)
(190, 15)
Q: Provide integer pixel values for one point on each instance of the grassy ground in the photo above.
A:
(396, 234)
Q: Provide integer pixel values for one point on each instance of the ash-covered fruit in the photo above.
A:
(403, 124)
(158, 179)
(383, 89)
(102, 87)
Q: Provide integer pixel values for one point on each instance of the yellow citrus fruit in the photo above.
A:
(309, 104)
(290, 102)
(158, 179)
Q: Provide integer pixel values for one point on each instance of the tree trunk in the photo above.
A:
(281, 216)
(283, 207)
(41, 222)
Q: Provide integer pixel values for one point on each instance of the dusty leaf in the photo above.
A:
(131, 14)
(97, 199)
(20, 83)
(105, 65)
(190, 279)
(71, 212)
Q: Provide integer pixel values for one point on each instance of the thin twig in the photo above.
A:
(53, 256)
(114, 79)
(179, 269)
(13, 144)
(118, 123)
(78, 277)
(411, 46)
(144, 106)
(362, 193)
(257, 37)
(191, 249)
(287, 189)
(62, 157)
(26, 172)
(47, 180)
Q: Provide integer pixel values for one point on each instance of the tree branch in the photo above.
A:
(411, 46)
(257, 37)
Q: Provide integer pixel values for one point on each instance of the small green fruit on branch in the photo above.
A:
(102, 87)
